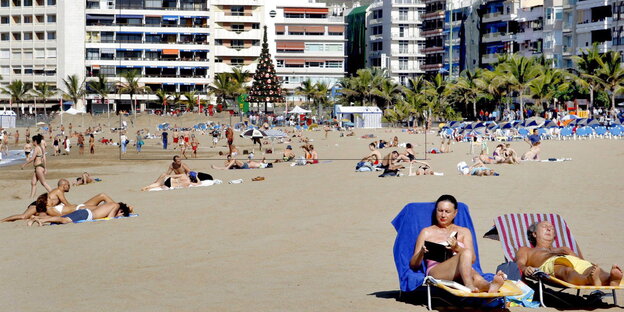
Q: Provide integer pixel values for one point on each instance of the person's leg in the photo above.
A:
(105, 210)
(33, 185)
(458, 266)
(569, 275)
(42, 221)
(97, 199)
(41, 178)
(30, 211)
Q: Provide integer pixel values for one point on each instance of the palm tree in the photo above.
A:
(18, 91)
(307, 89)
(44, 91)
(74, 88)
(544, 87)
(519, 71)
(587, 65)
(388, 92)
(130, 85)
(102, 88)
(163, 96)
(240, 76)
(469, 89)
(176, 97)
(611, 74)
(320, 96)
(223, 88)
(191, 98)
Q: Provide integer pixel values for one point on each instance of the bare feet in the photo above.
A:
(497, 282)
(594, 273)
(32, 221)
(615, 276)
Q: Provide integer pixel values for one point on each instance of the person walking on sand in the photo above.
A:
(91, 144)
(194, 145)
(165, 139)
(37, 157)
(139, 141)
(229, 134)
(123, 141)
(67, 145)
(16, 137)
(80, 144)
(27, 148)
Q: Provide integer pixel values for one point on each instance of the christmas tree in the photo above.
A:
(266, 86)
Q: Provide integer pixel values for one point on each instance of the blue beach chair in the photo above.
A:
(408, 224)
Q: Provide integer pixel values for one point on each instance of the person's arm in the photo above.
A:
(30, 159)
(466, 237)
(186, 168)
(63, 200)
(522, 258)
(169, 170)
(419, 250)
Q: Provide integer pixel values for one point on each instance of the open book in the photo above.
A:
(439, 252)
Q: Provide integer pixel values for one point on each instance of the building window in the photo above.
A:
(51, 18)
(333, 64)
(237, 62)
(237, 44)
(27, 19)
(238, 27)
(156, 4)
(17, 36)
(27, 3)
(377, 46)
(403, 46)
(17, 3)
(314, 47)
(403, 14)
(4, 3)
(4, 37)
(403, 31)
(237, 10)
(335, 47)
(279, 63)
(255, 26)
(51, 2)
(377, 14)
(51, 35)
(17, 19)
(28, 36)
(4, 20)
(377, 30)
(403, 63)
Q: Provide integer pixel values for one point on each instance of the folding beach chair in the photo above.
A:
(511, 230)
(408, 224)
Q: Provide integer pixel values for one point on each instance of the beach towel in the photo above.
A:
(203, 183)
(555, 159)
(408, 224)
(463, 168)
(132, 215)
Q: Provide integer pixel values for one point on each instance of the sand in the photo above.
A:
(313, 238)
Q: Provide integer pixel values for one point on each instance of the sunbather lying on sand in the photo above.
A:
(87, 213)
(562, 262)
(231, 163)
(171, 182)
(84, 179)
(422, 168)
(533, 153)
(478, 169)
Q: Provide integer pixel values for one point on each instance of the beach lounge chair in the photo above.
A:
(408, 224)
(511, 230)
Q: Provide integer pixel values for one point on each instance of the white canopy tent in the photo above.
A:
(7, 119)
(299, 110)
(361, 116)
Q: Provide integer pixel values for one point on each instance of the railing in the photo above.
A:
(146, 59)
(150, 25)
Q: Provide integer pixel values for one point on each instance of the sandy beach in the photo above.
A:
(307, 238)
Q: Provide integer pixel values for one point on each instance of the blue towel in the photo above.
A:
(408, 224)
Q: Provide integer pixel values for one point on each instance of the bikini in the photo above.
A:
(431, 263)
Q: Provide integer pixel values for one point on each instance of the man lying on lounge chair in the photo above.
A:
(562, 262)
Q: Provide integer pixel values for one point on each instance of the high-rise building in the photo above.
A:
(166, 41)
(309, 44)
(498, 29)
(355, 47)
(433, 31)
(461, 37)
(39, 40)
(395, 39)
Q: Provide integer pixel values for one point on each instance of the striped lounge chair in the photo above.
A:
(511, 230)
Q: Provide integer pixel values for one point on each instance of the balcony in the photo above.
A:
(433, 15)
(309, 70)
(567, 50)
(432, 50)
(498, 36)
(603, 24)
(431, 67)
(247, 17)
(253, 34)
(407, 52)
(489, 58)
(235, 2)
(253, 51)
(529, 34)
(588, 4)
(432, 33)
(376, 37)
(406, 69)
(498, 16)
(227, 68)
(567, 4)
(406, 36)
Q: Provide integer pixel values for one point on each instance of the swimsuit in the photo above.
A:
(579, 265)
(59, 208)
(80, 215)
(410, 156)
(477, 169)
(431, 263)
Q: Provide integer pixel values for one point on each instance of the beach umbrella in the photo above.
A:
(479, 125)
(581, 122)
(469, 126)
(506, 125)
(41, 123)
(570, 116)
(491, 125)
(592, 123)
(454, 124)
(617, 121)
(550, 124)
(253, 133)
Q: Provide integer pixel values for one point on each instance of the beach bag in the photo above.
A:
(301, 161)
(524, 300)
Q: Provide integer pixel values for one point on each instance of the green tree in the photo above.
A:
(266, 86)
(18, 91)
(306, 89)
(163, 97)
(191, 99)
(468, 89)
(388, 92)
(74, 88)
(321, 96)
(102, 88)
(611, 74)
(44, 91)
(223, 88)
(520, 71)
(131, 85)
(587, 65)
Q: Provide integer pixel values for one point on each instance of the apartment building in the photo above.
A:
(498, 29)
(530, 32)
(166, 41)
(461, 37)
(309, 43)
(433, 31)
(32, 46)
(237, 38)
(394, 38)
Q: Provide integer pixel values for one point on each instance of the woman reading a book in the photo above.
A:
(448, 250)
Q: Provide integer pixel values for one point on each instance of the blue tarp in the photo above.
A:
(408, 224)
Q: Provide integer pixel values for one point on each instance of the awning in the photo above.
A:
(107, 51)
(129, 33)
(296, 28)
(295, 61)
(170, 51)
(294, 10)
(336, 28)
(95, 66)
(170, 18)
(129, 16)
(285, 45)
(280, 28)
(317, 10)
(315, 29)
(167, 67)
(100, 17)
